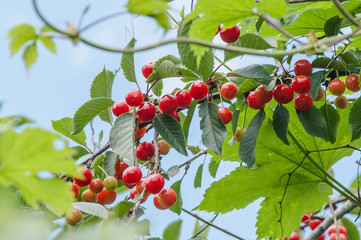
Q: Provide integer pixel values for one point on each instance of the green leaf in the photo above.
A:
(170, 129)
(88, 111)
(323, 62)
(95, 209)
(247, 146)
(313, 122)
(332, 120)
(214, 131)
(109, 162)
(246, 86)
(177, 207)
(78, 152)
(172, 171)
(350, 58)
(316, 79)
(19, 35)
(198, 179)
(187, 122)
(64, 126)
(122, 208)
(122, 137)
(352, 231)
(332, 26)
(127, 63)
(213, 167)
(254, 71)
(281, 118)
(355, 119)
(275, 8)
(30, 55)
(158, 88)
(10, 122)
(173, 230)
(204, 229)
(48, 43)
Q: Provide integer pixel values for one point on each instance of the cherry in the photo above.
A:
(134, 192)
(352, 83)
(303, 67)
(314, 223)
(147, 69)
(229, 90)
(83, 177)
(322, 237)
(341, 229)
(230, 35)
(146, 112)
(145, 151)
(306, 217)
(198, 90)
(301, 84)
(254, 100)
(129, 185)
(303, 102)
(134, 98)
(156, 202)
(341, 102)
(168, 104)
(88, 196)
(175, 115)
(333, 236)
(163, 147)
(119, 108)
(96, 185)
(73, 217)
(184, 99)
(225, 114)
(154, 183)
(75, 189)
(167, 197)
(337, 87)
(239, 134)
(140, 186)
(110, 183)
(106, 196)
(132, 175)
(294, 236)
(283, 93)
(140, 133)
(320, 94)
(119, 169)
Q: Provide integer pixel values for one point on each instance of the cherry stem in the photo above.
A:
(156, 153)
(106, 174)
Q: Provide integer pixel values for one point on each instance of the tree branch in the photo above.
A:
(89, 161)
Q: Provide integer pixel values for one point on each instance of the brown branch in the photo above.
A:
(90, 160)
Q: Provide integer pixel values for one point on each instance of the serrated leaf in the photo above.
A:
(254, 71)
(198, 179)
(78, 152)
(316, 79)
(19, 35)
(172, 171)
(109, 162)
(170, 129)
(30, 55)
(173, 230)
(323, 62)
(332, 26)
(127, 63)
(350, 58)
(64, 126)
(313, 122)
(122, 137)
(213, 167)
(214, 131)
(122, 208)
(158, 88)
(352, 231)
(48, 43)
(88, 111)
(177, 207)
(95, 209)
(247, 146)
(246, 86)
(332, 118)
(355, 119)
(187, 122)
(281, 118)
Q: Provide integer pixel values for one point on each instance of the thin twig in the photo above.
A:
(89, 161)
(204, 227)
(334, 218)
(101, 20)
(193, 158)
(156, 154)
(345, 13)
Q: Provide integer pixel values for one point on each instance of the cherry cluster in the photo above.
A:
(338, 87)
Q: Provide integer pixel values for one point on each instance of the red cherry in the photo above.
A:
(147, 69)
(133, 192)
(225, 114)
(303, 67)
(322, 237)
(167, 197)
(219, 29)
(337, 87)
(230, 35)
(119, 169)
(341, 229)
(163, 147)
(146, 112)
(314, 223)
(303, 102)
(140, 187)
(154, 183)
(129, 185)
(140, 133)
(119, 108)
(132, 175)
(83, 177)
(266, 96)
(156, 202)
(168, 104)
(88, 196)
(283, 93)
(198, 90)
(352, 83)
(301, 84)
(75, 189)
(106, 196)
(294, 236)
(184, 99)
(229, 90)
(333, 236)
(254, 100)
(306, 217)
(73, 217)
(96, 185)
(134, 98)
(175, 115)
(145, 151)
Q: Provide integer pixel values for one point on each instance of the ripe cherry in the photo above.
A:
(73, 217)
(164, 147)
(175, 115)
(303, 102)
(146, 111)
(341, 102)
(198, 90)
(301, 84)
(294, 236)
(119, 169)
(320, 95)
(156, 202)
(302, 67)
(134, 98)
(341, 229)
(229, 90)
(266, 96)
(83, 177)
(255, 101)
(106, 196)
(184, 99)
(75, 189)
(154, 183)
(283, 93)
(88, 196)
(239, 134)
(134, 192)
(230, 35)
(96, 185)
(337, 87)
(306, 217)
(352, 83)
(110, 183)
(132, 175)
(119, 108)
(333, 236)
(168, 104)
(140, 133)
(314, 223)
(167, 197)
(145, 151)
(322, 237)
(225, 114)
(147, 69)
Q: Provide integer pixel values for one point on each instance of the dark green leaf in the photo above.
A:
(352, 231)
(313, 122)
(350, 58)
(187, 122)
(127, 63)
(323, 62)
(198, 179)
(122, 208)
(332, 26)
(213, 167)
(332, 120)
(30, 55)
(98, 162)
(254, 71)
(100, 138)
(173, 230)
(64, 126)
(316, 79)
(177, 207)
(281, 118)
(355, 119)
(246, 86)
(95, 209)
